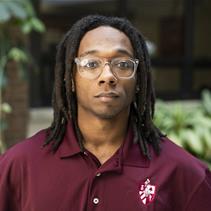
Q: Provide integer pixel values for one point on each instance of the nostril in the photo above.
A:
(107, 77)
(112, 81)
(109, 81)
(101, 82)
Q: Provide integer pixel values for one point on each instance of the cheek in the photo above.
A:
(130, 88)
(82, 87)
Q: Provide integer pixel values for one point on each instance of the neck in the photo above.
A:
(98, 131)
(103, 137)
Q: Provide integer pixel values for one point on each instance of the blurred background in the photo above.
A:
(178, 34)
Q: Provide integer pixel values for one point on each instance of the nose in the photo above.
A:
(107, 76)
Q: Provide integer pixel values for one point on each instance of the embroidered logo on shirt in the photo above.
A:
(147, 192)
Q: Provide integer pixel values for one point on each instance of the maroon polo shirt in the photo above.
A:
(34, 179)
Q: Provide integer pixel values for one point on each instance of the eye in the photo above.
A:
(126, 64)
(90, 64)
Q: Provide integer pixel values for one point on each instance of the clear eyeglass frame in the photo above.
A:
(82, 70)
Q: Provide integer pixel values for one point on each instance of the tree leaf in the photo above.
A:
(26, 27)
(4, 13)
(6, 108)
(37, 25)
(32, 24)
(17, 9)
(193, 141)
(29, 8)
(18, 55)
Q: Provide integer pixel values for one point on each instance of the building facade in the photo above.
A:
(178, 31)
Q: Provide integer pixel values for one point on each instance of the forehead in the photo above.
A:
(105, 39)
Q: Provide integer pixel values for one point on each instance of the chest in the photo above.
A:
(86, 187)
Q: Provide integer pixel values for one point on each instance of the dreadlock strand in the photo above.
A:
(141, 139)
(69, 92)
(58, 102)
(59, 135)
(75, 125)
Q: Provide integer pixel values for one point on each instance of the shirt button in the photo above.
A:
(98, 174)
(96, 200)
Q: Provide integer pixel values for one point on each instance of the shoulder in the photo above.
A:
(26, 149)
(183, 173)
(179, 164)
(15, 165)
(178, 156)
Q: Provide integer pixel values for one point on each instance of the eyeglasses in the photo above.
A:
(92, 67)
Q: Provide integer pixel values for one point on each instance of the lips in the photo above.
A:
(107, 96)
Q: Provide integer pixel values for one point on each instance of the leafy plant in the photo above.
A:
(17, 19)
(188, 124)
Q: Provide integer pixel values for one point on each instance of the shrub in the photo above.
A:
(188, 124)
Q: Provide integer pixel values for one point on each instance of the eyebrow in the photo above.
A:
(122, 51)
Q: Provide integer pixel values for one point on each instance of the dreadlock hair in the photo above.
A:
(64, 98)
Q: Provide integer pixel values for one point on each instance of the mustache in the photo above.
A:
(107, 94)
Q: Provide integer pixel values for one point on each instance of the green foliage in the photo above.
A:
(19, 15)
(188, 124)
(32, 24)
(23, 14)
(17, 54)
(206, 102)
(5, 108)
(11, 9)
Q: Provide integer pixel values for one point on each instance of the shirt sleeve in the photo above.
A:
(201, 199)
(7, 190)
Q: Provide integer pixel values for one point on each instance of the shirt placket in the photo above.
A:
(96, 195)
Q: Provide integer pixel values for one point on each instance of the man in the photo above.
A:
(102, 151)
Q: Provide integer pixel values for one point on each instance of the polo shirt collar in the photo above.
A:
(69, 145)
(128, 154)
(131, 154)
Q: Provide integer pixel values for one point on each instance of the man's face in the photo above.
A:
(106, 96)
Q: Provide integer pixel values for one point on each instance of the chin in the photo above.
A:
(108, 114)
